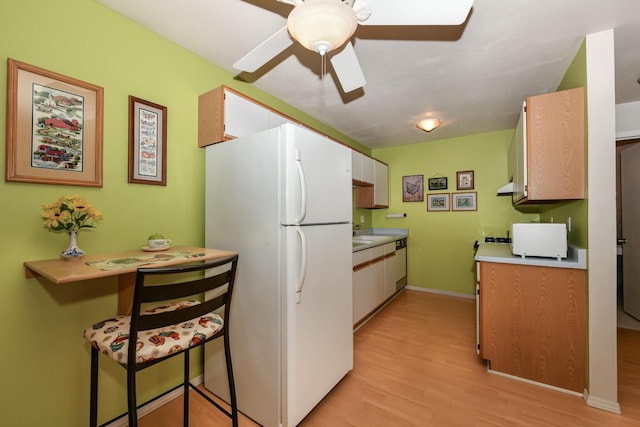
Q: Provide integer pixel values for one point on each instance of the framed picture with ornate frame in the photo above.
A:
(464, 180)
(438, 202)
(54, 127)
(465, 201)
(412, 188)
(147, 142)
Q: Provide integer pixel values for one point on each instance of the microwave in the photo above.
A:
(539, 239)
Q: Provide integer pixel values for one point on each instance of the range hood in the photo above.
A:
(505, 190)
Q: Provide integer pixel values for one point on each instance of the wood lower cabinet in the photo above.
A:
(533, 323)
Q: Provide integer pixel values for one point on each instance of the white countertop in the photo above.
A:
(501, 253)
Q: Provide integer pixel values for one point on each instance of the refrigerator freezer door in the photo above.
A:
(317, 178)
(318, 319)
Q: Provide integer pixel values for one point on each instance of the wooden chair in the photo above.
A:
(167, 330)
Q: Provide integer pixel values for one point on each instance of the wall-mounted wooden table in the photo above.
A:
(121, 264)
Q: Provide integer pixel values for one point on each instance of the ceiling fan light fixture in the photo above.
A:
(322, 25)
(428, 124)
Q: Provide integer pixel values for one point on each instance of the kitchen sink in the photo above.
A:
(368, 238)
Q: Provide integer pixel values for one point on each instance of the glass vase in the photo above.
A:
(73, 251)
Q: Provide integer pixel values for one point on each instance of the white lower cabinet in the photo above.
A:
(374, 272)
(362, 278)
(389, 269)
(377, 266)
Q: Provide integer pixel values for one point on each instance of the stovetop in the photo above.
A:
(497, 240)
(492, 240)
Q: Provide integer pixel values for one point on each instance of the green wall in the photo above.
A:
(45, 360)
(440, 251)
(576, 76)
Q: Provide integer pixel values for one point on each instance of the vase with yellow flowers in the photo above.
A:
(70, 214)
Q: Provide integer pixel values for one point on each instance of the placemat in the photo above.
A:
(143, 260)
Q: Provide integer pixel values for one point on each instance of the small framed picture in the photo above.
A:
(465, 201)
(412, 188)
(464, 180)
(147, 142)
(438, 202)
(438, 183)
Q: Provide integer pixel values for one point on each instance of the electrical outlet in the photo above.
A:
(568, 224)
(361, 219)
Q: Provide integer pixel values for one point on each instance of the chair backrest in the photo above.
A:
(188, 280)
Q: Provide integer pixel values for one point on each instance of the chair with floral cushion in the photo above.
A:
(176, 326)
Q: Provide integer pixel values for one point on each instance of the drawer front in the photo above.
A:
(361, 257)
(377, 252)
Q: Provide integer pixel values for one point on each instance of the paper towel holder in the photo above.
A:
(397, 215)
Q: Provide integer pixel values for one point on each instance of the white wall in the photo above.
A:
(628, 120)
(603, 363)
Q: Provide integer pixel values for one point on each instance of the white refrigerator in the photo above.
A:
(282, 199)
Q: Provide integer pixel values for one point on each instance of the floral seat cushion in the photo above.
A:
(111, 336)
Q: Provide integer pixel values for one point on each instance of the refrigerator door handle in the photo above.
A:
(303, 189)
(303, 264)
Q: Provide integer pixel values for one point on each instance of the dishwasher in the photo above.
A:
(401, 263)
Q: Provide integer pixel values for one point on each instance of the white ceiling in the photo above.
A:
(474, 77)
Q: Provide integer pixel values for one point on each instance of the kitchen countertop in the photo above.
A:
(380, 236)
(501, 253)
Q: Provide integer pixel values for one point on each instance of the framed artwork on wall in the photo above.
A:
(147, 142)
(464, 180)
(438, 183)
(412, 188)
(438, 202)
(54, 127)
(465, 201)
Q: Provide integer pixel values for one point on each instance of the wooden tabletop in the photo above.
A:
(60, 271)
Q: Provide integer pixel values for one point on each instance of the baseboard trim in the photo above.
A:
(441, 292)
(605, 405)
(152, 406)
(539, 384)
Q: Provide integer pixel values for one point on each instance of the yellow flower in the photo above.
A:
(70, 212)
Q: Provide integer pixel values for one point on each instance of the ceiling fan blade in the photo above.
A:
(264, 51)
(417, 12)
(345, 64)
(291, 2)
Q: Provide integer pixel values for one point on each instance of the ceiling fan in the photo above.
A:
(325, 25)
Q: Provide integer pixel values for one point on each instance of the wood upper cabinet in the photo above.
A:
(533, 322)
(225, 114)
(549, 148)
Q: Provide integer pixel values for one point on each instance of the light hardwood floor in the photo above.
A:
(415, 365)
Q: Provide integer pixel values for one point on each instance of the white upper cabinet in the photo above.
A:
(243, 117)
(381, 185)
(362, 168)
(376, 196)
(224, 114)
(368, 169)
